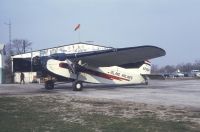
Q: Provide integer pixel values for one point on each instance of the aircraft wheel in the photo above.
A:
(49, 85)
(77, 86)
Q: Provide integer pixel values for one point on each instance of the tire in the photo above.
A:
(77, 86)
(49, 85)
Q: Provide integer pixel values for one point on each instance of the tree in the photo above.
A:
(187, 67)
(167, 69)
(18, 46)
(196, 65)
(183, 67)
(154, 68)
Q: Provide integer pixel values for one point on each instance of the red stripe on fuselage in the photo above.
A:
(95, 73)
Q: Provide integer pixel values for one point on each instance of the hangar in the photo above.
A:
(23, 62)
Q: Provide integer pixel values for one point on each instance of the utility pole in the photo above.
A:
(9, 52)
(24, 47)
(10, 31)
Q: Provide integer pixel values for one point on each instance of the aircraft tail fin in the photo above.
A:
(145, 68)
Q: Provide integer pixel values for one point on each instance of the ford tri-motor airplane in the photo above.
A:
(109, 66)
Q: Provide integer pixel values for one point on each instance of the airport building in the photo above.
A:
(23, 62)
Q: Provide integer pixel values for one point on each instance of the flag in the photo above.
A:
(77, 27)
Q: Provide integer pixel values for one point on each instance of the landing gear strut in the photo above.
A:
(49, 85)
(77, 86)
(74, 68)
(146, 80)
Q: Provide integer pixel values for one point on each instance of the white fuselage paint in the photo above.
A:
(106, 75)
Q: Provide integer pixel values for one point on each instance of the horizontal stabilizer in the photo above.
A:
(154, 76)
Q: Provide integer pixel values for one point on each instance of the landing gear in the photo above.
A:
(74, 68)
(77, 86)
(49, 85)
(146, 80)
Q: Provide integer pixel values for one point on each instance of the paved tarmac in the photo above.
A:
(178, 93)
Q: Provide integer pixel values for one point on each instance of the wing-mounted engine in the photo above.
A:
(74, 66)
(71, 62)
(71, 66)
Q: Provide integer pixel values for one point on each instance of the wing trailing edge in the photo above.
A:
(120, 56)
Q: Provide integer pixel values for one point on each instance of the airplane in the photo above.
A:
(117, 66)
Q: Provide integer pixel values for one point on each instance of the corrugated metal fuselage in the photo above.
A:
(105, 75)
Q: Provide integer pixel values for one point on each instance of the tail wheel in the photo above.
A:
(77, 86)
(49, 85)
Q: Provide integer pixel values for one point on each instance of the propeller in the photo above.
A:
(36, 60)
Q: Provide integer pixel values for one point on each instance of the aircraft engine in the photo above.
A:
(36, 60)
(72, 66)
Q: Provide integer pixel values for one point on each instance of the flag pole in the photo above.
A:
(79, 34)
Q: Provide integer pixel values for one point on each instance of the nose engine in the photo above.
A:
(39, 63)
(36, 61)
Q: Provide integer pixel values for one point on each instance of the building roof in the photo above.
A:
(72, 48)
(63, 46)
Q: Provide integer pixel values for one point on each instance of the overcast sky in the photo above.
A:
(173, 25)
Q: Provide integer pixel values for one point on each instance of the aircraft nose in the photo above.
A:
(36, 60)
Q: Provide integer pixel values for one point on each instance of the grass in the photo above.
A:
(145, 124)
(35, 114)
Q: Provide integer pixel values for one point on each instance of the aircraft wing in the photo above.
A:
(120, 56)
(117, 56)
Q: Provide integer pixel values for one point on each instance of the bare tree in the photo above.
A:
(167, 69)
(154, 68)
(183, 67)
(196, 65)
(187, 67)
(18, 46)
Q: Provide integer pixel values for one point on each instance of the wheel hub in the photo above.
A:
(78, 85)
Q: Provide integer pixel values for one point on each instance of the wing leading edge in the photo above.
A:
(120, 56)
(114, 57)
